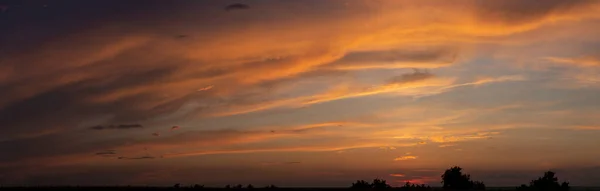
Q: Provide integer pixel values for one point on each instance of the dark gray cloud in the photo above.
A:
(54, 145)
(400, 58)
(236, 6)
(517, 12)
(281, 163)
(412, 77)
(137, 158)
(123, 126)
(106, 153)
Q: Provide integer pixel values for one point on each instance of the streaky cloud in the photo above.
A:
(122, 126)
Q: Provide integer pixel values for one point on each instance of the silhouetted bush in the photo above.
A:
(377, 184)
(361, 184)
(271, 186)
(546, 183)
(478, 185)
(198, 186)
(380, 184)
(414, 187)
(177, 185)
(454, 179)
(250, 186)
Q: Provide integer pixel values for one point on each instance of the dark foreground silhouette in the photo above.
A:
(452, 179)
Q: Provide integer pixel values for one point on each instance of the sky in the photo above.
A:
(306, 93)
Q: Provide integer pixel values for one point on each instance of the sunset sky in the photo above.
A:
(301, 93)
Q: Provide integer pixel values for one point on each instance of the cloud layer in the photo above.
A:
(312, 79)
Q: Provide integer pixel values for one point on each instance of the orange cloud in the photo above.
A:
(590, 128)
(446, 145)
(409, 157)
(582, 62)
(365, 60)
(149, 74)
(398, 175)
(404, 85)
(420, 180)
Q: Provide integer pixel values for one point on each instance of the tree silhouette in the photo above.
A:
(361, 184)
(380, 184)
(198, 186)
(271, 186)
(250, 186)
(377, 184)
(546, 183)
(478, 185)
(454, 179)
(414, 187)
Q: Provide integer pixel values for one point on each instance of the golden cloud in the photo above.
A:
(409, 157)
(588, 61)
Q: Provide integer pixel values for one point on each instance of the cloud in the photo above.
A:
(145, 74)
(391, 59)
(408, 157)
(398, 175)
(415, 83)
(487, 80)
(66, 147)
(478, 82)
(587, 61)
(236, 6)
(106, 153)
(281, 163)
(122, 126)
(519, 12)
(446, 145)
(585, 128)
(136, 158)
(419, 180)
(450, 139)
(408, 78)
(407, 84)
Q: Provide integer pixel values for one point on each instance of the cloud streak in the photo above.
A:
(122, 126)
(403, 158)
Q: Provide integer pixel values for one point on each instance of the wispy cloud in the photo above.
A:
(407, 84)
(581, 127)
(106, 153)
(137, 158)
(398, 175)
(123, 126)
(587, 61)
(408, 157)
(280, 163)
(419, 180)
(390, 59)
(446, 145)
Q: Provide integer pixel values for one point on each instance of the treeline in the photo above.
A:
(454, 179)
